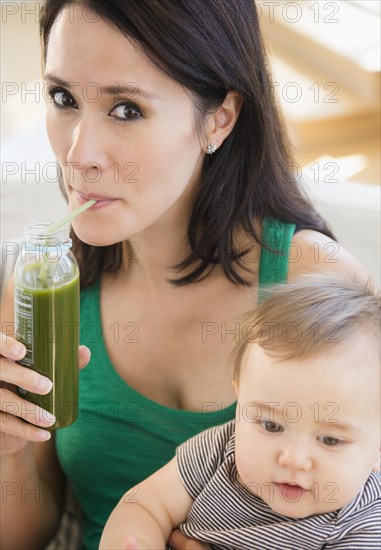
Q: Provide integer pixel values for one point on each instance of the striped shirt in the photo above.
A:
(227, 516)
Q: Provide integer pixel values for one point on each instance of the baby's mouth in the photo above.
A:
(291, 491)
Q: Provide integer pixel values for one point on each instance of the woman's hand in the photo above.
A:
(181, 542)
(14, 432)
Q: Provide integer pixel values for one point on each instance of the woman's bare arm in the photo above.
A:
(311, 251)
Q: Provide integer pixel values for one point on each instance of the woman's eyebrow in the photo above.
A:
(129, 88)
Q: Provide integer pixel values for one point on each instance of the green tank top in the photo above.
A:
(122, 437)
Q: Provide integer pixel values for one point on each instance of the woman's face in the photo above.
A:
(122, 131)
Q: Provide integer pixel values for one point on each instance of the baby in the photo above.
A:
(299, 468)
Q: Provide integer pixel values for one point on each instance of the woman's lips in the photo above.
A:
(101, 201)
(291, 491)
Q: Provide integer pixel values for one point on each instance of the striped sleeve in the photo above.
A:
(359, 527)
(199, 457)
(367, 538)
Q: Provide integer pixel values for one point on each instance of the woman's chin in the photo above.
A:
(95, 237)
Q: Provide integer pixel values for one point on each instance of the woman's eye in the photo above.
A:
(272, 427)
(126, 112)
(330, 441)
(62, 98)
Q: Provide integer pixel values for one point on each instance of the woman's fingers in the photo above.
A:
(181, 542)
(12, 404)
(20, 418)
(84, 355)
(30, 380)
(14, 427)
(14, 409)
(14, 350)
(12, 373)
(11, 348)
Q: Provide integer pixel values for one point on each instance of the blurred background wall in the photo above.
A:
(326, 72)
(325, 57)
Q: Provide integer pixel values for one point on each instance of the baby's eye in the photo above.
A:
(126, 111)
(272, 427)
(330, 441)
(62, 98)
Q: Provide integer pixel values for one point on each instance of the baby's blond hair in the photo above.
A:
(304, 316)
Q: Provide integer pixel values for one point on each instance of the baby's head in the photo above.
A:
(307, 377)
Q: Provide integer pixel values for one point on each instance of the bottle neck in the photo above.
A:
(37, 235)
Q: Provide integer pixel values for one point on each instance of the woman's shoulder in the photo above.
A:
(313, 251)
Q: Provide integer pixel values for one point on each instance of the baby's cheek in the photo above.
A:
(245, 468)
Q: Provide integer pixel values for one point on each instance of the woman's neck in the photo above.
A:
(149, 258)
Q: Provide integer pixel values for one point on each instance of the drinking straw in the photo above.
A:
(57, 225)
(71, 215)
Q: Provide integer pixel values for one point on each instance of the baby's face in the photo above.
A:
(308, 432)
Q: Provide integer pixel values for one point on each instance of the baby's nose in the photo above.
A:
(295, 457)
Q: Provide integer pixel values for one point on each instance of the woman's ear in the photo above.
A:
(235, 386)
(222, 122)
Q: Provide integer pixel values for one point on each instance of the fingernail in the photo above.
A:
(44, 435)
(86, 348)
(44, 384)
(18, 349)
(48, 417)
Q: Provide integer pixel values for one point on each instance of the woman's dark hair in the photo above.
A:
(211, 47)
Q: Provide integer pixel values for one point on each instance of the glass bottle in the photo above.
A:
(47, 318)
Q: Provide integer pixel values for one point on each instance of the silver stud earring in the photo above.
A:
(212, 148)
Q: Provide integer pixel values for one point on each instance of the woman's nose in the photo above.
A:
(295, 457)
(87, 152)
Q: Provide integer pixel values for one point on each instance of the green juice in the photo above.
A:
(47, 323)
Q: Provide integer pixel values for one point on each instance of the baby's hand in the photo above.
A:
(130, 544)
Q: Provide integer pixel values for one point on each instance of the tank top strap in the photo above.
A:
(273, 266)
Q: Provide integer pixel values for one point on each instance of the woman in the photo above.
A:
(163, 112)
